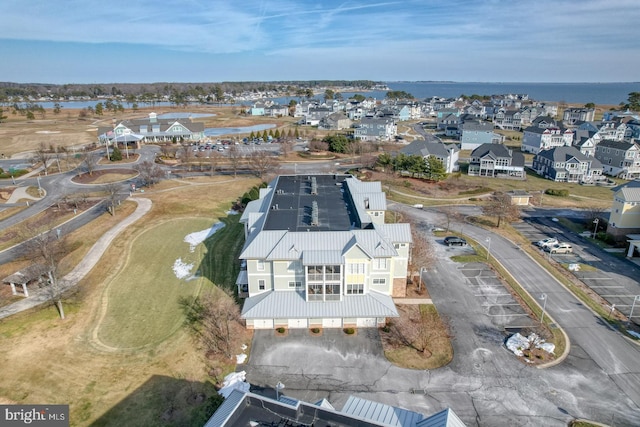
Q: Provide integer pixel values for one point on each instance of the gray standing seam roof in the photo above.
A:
(292, 305)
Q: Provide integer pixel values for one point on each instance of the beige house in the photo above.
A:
(625, 211)
(319, 254)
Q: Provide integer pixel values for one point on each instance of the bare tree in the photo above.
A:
(235, 158)
(420, 329)
(451, 214)
(500, 207)
(48, 249)
(186, 156)
(214, 161)
(113, 199)
(90, 162)
(42, 155)
(262, 164)
(213, 318)
(150, 173)
(422, 255)
(168, 150)
(285, 147)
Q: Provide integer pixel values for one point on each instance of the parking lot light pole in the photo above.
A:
(543, 297)
(420, 281)
(633, 305)
(488, 240)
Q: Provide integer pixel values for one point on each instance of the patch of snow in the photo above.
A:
(518, 344)
(232, 212)
(194, 239)
(635, 334)
(240, 358)
(243, 346)
(182, 269)
(234, 381)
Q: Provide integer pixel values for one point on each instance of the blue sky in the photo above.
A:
(90, 41)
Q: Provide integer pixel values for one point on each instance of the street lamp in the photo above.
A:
(543, 297)
(488, 240)
(279, 387)
(636, 298)
(595, 228)
(39, 186)
(420, 281)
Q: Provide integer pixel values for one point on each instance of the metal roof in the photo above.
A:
(379, 412)
(292, 305)
(227, 409)
(445, 418)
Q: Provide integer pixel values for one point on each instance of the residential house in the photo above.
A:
(616, 114)
(496, 161)
(624, 218)
(508, 119)
(619, 159)
(151, 129)
(544, 122)
(447, 153)
(535, 138)
(276, 110)
(587, 144)
(567, 164)
(571, 116)
(476, 133)
(375, 129)
(448, 120)
(335, 121)
(302, 108)
(315, 114)
(527, 115)
(444, 112)
(319, 254)
(257, 109)
(245, 408)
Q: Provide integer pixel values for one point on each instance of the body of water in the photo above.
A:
(184, 115)
(580, 93)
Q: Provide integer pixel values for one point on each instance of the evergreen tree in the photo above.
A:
(116, 154)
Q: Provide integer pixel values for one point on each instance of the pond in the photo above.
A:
(236, 130)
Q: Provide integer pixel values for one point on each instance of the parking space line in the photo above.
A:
(606, 286)
(488, 304)
(491, 295)
(617, 296)
(509, 315)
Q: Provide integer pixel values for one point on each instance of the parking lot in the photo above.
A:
(494, 299)
(613, 278)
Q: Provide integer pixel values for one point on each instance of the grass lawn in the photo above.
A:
(143, 298)
(46, 360)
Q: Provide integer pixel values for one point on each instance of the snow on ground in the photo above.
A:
(240, 358)
(182, 269)
(518, 343)
(235, 380)
(194, 239)
(232, 212)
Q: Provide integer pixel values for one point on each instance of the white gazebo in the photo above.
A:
(33, 273)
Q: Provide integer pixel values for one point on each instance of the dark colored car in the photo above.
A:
(454, 241)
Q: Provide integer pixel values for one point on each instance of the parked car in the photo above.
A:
(455, 241)
(547, 242)
(560, 248)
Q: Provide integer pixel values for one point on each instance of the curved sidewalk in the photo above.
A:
(84, 267)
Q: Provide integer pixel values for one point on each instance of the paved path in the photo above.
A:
(412, 301)
(84, 267)
(20, 193)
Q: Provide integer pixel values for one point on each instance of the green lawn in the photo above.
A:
(142, 306)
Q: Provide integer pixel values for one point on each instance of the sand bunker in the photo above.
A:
(48, 131)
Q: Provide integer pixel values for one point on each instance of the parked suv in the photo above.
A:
(560, 248)
(454, 241)
(547, 242)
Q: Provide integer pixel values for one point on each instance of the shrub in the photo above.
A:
(280, 330)
(315, 330)
(116, 154)
(559, 193)
(349, 331)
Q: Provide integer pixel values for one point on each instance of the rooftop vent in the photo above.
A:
(314, 213)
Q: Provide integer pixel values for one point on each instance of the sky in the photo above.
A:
(144, 41)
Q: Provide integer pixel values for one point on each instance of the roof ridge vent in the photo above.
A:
(314, 213)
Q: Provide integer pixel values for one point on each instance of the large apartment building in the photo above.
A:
(319, 254)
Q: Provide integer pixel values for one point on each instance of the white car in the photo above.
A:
(560, 248)
(547, 242)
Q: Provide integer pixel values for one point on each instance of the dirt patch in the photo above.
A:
(442, 189)
(99, 176)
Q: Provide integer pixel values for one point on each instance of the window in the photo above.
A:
(355, 289)
(260, 265)
(314, 272)
(356, 268)
(379, 281)
(332, 272)
(261, 284)
(380, 264)
(295, 285)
